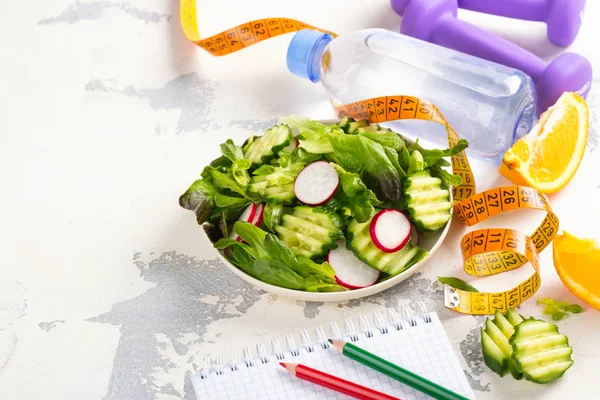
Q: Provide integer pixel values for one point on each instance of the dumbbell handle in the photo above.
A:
(532, 10)
(462, 36)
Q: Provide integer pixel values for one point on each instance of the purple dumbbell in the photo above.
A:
(563, 17)
(435, 21)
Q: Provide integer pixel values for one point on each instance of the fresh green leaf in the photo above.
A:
(272, 216)
(387, 139)
(416, 162)
(303, 266)
(558, 309)
(457, 284)
(430, 157)
(282, 176)
(353, 152)
(355, 195)
(224, 182)
(200, 199)
(331, 207)
(447, 178)
(254, 236)
(573, 308)
(239, 170)
(232, 151)
(225, 243)
(300, 155)
(309, 129)
(314, 285)
(274, 272)
(264, 170)
(393, 157)
(241, 255)
(404, 158)
(557, 316)
(224, 201)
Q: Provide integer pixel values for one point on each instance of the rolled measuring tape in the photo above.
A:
(485, 252)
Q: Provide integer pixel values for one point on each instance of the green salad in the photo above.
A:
(323, 207)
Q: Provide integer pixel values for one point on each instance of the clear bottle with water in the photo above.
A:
(488, 104)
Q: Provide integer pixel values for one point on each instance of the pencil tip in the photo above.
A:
(289, 366)
(330, 341)
(338, 344)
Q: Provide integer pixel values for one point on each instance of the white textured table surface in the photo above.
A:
(107, 288)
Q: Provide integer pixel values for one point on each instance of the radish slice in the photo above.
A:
(316, 183)
(248, 215)
(292, 145)
(390, 230)
(260, 213)
(350, 272)
(415, 235)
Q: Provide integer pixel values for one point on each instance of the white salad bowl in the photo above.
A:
(430, 241)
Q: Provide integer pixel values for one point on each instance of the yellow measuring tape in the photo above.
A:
(239, 37)
(485, 251)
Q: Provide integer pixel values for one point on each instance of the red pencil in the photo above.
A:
(335, 383)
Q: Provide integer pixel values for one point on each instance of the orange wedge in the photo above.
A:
(577, 262)
(548, 156)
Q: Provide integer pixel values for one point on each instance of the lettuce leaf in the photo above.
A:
(430, 157)
(200, 199)
(267, 258)
(355, 195)
(240, 165)
(387, 139)
(272, 216)
(273, 272)
(354, 152)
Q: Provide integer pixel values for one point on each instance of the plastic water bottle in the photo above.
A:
(488, 104)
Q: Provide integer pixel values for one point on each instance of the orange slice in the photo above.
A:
(548, 156)
(577, 262)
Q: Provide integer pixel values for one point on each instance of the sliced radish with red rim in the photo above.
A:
(350, 272)
(260, 213)
(248, 215)
(390, 230)
(316, 183)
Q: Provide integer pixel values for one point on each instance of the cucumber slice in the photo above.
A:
(266, 147)
(354, 126)
(309, 232)
(344, 121)
(428, 203)
(368, 128)
(540, 352)
(513, 317)
(278, 185)
(492, 355)
(499, 331)
(360, 242)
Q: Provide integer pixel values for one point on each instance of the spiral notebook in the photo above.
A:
(416, 342)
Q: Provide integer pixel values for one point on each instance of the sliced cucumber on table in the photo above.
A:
(309, 231)
(266, 147)
(540, 352)
(528, 348)
(497, 350)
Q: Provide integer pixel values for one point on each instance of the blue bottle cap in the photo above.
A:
(304, 53)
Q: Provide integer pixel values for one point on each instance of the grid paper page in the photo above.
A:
(423, 349)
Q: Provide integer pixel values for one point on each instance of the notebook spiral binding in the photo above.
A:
(403, 319)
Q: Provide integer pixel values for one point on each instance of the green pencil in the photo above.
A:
(394, 371)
